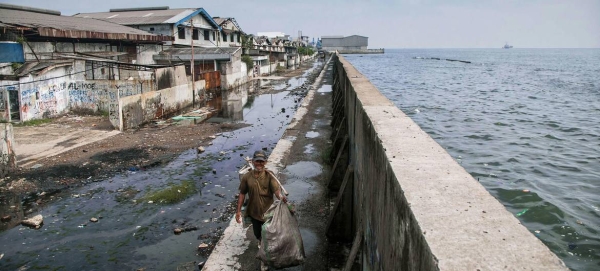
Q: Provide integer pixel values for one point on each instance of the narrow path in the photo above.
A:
(299, 160)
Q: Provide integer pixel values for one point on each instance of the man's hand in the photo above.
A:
(283, 198)
(238, 217)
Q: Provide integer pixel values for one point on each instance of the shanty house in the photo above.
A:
(231, 32)
(187, 26)
(63, 63)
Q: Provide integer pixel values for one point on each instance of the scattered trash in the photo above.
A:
(203, 245)
(133, 169)
(36, 166)
(522, 212)
(93, 219)
(200, 265)
(150, 202)
(177, 231)
(580, 222)
(34, 222)
(200, 149)
(526, 190)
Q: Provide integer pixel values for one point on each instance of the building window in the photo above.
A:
(214, 37)
(151, 28)
(206, 35)
(195, 34)
(238, 37)
(231, 37)
(224, 36)
(181, 33)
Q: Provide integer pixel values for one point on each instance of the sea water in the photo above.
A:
(524, 122)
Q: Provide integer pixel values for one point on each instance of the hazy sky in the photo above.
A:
(395, 24)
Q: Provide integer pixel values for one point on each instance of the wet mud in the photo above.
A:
(160, 214)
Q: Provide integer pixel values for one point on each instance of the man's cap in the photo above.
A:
(259, 156)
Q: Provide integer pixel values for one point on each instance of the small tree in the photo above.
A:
(247, 41)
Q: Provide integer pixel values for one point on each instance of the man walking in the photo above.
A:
(260, 185)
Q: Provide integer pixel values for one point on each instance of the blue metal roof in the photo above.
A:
(204, 14)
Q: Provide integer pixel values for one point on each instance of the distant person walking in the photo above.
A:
(260, 185)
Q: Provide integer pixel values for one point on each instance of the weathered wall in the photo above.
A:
(8, 161)
(170, 77)
(54, 93)
(136, 110)
(234, 72)
(44, 96)
(418, 208)
(200, 24)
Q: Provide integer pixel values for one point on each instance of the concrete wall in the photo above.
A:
(234, 72)
(56, 92)
(139, 109)
(8, 161)
(418, 208)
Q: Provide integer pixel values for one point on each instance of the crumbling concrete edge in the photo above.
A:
(233, 243)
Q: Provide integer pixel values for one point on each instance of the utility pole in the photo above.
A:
(192, 67)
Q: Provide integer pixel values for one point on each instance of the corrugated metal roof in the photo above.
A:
(220, 20)
(137, 16)
(200, 53)
(72, 27)
(142, 17)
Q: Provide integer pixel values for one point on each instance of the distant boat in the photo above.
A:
(506, 46)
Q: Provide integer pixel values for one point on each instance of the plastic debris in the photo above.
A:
(522, 212)
(526, 190)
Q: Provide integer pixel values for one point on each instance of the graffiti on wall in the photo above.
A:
(42, 101)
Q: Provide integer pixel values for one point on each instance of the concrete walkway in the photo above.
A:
(298, 159)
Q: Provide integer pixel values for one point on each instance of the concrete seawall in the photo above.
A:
(406, 203)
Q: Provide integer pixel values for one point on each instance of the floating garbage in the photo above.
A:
(522, 212)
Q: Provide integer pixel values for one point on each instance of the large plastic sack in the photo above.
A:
(281, 243)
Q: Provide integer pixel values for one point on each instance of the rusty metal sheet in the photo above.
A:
(212, 79)
(82, 34)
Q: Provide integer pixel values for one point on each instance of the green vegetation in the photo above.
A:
(248, 60)
(326, 155)
(247, 41)
(307, 51)
(15, 66)
(173, 193)
(33, 122)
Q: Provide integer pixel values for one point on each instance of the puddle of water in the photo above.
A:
(325, 88)
(312, 134)
(304, 169)
(309, 240)
(308, 149)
